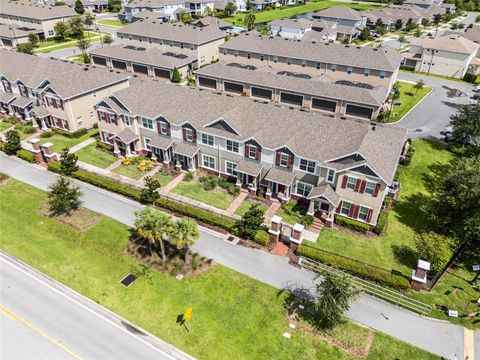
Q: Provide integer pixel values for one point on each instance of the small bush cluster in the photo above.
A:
(189, 176)
(364, 271)
(71, 135)
(104, 147)
(352, 224)
(46, 134)
(130, 161)
(261, 237)
(210, 182)
(307, 220)
(26, 129)
(26, 155)
(470, 78)
(146, 165)
(406, 159)
(381, 223)
(2, 146)
(11, 119)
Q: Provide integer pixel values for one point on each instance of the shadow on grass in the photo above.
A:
(414, 211)
(405, 255)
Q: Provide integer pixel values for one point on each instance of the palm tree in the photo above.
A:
(184, 235)
(153, 225)
(418, 86)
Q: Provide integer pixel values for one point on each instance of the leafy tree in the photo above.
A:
(454, 26)
(461, 26)
(12, 144)
(79, 9)
(25, 48)
(88, 21)
(466, 124)
(334, 295)
(437, 18)
(265, 30)
(149, 193)
(398, 24)
(107, 39)
(417, 33)
(83, 45)
(33, 39)
(230, 8)
(68, 162)
(456, 205)
(477, 19)
(418, 86)
(186, 18)
(425, 22)
(63, 196)
(152, 225)
(208, 11)
(114, 5)
(250, 222)
(75, 27)
(248, 5)
(184, 234)
(380, 29)
(410, 25)
(434, 248)
(176, 76)
(249, 21)
(61, 30)
(58, 3)
(364, 34)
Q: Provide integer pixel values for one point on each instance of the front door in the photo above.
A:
(281, 188)
(324, 207)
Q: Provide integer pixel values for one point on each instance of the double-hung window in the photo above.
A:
(208, 161)
(103, 116)
(349, 70)
(289, 61)
(284, 159)
(252, 152)
(303, 189)
(363, 213)
(333, 67)
(127, 120)
(232, 146)
(163, 128)
(189, 134)
(382, 74)
(275, 59)
(307, 165)
(147, 143)
(366, 72)
(351, 183)
(304, 63)
(207, 140)
(230, 168)
(330, 176)
(370, 187)
(147, 123)
(345, 208)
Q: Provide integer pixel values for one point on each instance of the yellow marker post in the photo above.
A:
(187, 317)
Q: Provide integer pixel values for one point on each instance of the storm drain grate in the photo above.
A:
(231, 238)
(128, 280)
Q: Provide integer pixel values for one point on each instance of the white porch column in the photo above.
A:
(116, 150)
(128, 152)
(311, 208)
(43, 124)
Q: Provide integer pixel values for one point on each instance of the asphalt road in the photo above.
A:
(41, 319)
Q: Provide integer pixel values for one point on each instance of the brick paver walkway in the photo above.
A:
(236, 202)
(280, 249)
(177, 180)
(274, 206)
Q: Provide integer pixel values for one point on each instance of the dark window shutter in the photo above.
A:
(247, 150)
(55, 103)
(339, 207)
(351, 211)
(66, 125)
(168, 129)
(357, 185)
(277, 158)
(184, 133)
(98, 114)
(362, 186)
(369, 215)
(377, 189)
(107, 117)
(355, 211)
(257, 153)
(194, 135)
(290, 161)
(61, 104)
(344, 181)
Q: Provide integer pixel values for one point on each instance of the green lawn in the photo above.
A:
(289, 11)
(61, 142)
(408, 98)
(130, 171)
(4, 125)
(91, 155)
(163, 178)
(246, 204)
(193, 190)
(53, 42)
(110, 22)
(64, 46)
(433, 75)
(234, 316)
(292, 212)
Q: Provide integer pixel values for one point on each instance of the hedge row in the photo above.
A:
(381, 223)
(72, 135)
(261, 237)
(364, 271)
(26, 155)
(204, 216)
(352, 224)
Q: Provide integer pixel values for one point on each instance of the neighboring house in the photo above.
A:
(95, 5)
(304, 28)
(338, 167)
(214, 22)
(200, 42)
(169, 9)
(449, 55)
(263, 4)
(11, 35)
(349, 22)
(54, 92)
(240, 4)
(151, 62)
(471, 33)
(359, 65)
(36, 18)
(342, 99)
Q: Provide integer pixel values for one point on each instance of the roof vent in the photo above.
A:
(375, 49)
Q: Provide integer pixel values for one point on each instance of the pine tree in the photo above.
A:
(176, 77)
(79, 9)
(63, 197)
(68, 162)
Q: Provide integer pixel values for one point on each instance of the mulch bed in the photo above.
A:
(81, 219)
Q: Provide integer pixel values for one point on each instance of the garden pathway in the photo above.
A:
(272, 209)
(114, 165)
(82, 145)
(150, 173)
(237, 202)
(176, 180)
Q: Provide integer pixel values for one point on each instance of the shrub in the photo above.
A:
(231, 188)
(307, 220)
(261, 237)
(26, 155)
(364, 271)
(381, 222)
(46, 134)
(436, 249)
(79, 133)
(71, 135)
(470, 78)
(2, 146)
(209, 182)
(104, 147)
(12, 120)
(12, 144)
(95, 126)
(189, 176)
(146, 165)
(27, 129)
(352, 224)
(130, 161)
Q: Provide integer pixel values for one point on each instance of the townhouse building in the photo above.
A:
(301, 28)
(53, 92)
(39, 19)
(221, 4)
(338, 167)
(323, 61)
(342, 98)
(349, 23)
(166, 9)
(199, 42)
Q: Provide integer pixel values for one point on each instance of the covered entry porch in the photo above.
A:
(162, 150)
(248, 175)
(21, 107)
(323, 202)
(279, 184)
(186, 156)
(124, 143)
(5, 100)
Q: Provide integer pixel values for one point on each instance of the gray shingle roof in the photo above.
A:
(213, 21)
(249, 167)
(472, 33)
(340, 12)
(13, 31)
(173, 32)
(186, 149)
(41, 12)
(282, 177)
(325, 190)
(362, 57)
(66, 79)
(127, 136)
(161, 142)
(304, 86)
(311, 135)
(452, 42)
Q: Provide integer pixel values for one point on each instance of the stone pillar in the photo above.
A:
(37, 152)
(128, 152)
(275, 229)
(311, 208)
(49, 153)
(419, 275)
(43, 124)
(297, 236)
(116, 150)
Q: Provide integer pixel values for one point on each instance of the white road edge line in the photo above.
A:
(8, 261)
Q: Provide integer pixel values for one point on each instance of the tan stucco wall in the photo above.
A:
(445, 63)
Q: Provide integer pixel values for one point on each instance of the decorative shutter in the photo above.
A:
(61, 104)
(98, 115)
(107, 117)
(277, 158)
(66, 125)
(362, 186)
(357, 185)
(55, 103)
(45, 99)
(194, 135)
(102, 136)
(339, 207)
(356, 211)
(369, 215)
(115, 118)
(377, 189)
(168, 129)
(247, 150)
(184, 134)
(351, 211)
(257, 154)
(344, 181)
(290, 161)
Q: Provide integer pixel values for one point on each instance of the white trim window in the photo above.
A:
(79, 122)
(102, 114)
(370, 187)
(307, 166)
(284, 159)
(252, 151)
(345, 210)
(330, 176)
(363, 213)
(230, 168)
(333, 67)
(208, 161)
(127, 120)
(349, 70)
(351, 183)
(147, 143)
(208, 140)
(189, 134)
(147, 123)
(303, 189)
(233, 146)
(366, 72)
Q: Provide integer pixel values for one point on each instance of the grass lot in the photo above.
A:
(130, 171)
(234, 316)
(289, 11)
(193, 190)
(292, 212)
(407, 99)
(245, 206)
(64, 46)
(164, 179)
(4, 125)
(53, 42)
(91, 155)
(110, 22)
(76, 58)
(60, 142)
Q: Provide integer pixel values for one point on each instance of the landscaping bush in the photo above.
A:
(470, 78)
(11, 119)
(307, 220)
(209, 182)
(146, 165)
(364, 271)
(95, 126)
(26, 155)
(231, 188)
(2, 146)
(104, 147)
(352, 224)
(71, 135)
(46, 134)
(261, 237)
(381, 223)
(189, 176)
(27, 129)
